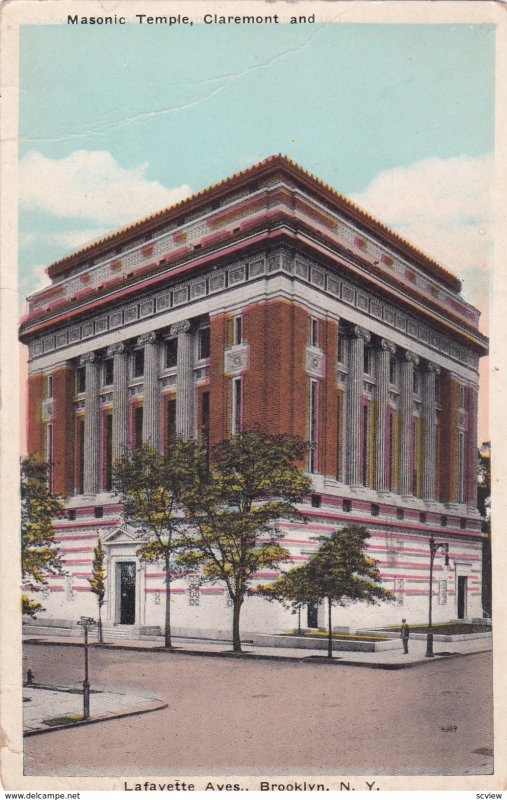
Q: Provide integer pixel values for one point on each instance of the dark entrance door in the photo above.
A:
(462, 596)
(312, 620)
(127, 581)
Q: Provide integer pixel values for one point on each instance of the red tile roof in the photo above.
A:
(273, 164)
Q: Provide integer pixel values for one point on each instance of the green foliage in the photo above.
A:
(339, 572)
(30, 608)
(233, 507)
(151, 485)
(39, 554)
(98, 580)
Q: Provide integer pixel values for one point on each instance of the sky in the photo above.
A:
(120, 121)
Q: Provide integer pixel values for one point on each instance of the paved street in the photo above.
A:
(257, 717)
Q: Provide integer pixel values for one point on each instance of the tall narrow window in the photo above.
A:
(137, 427)
(364, 446)
(313, 419)
(390, 447)
(204, 342)
(339, 436)
(438, 454)
(80, 380)
(108, 452)
(314, 332)
(49, 454)
(79, 482)
(414, 454)
(49, 387)
(392, 369)
(416, 382)
(108, 371)
(170, 433)
(171, 353)
(238, 330)
(367, 361)
(394, 449)
(138, 365)
(236, 405)
(205, 420)
(461, 467)
(341, 347)
(438, 389)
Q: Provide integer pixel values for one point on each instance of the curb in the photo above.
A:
(79, 723)
(316, 659)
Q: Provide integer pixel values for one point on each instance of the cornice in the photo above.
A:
(155, 306)
(270, 166)
(267, 229)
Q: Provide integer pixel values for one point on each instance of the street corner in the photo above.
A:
(50, 708)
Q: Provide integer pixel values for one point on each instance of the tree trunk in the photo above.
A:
(101, 639)
(329, 629)
(236, 639)
(167, 622)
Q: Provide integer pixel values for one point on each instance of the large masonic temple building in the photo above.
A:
(266, 301)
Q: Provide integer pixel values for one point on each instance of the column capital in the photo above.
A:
(385, 344)
(179, 327)
(88, 358)
(357, 332)
(411, 357)
(116, 349)
(146, 338)
(431, 367)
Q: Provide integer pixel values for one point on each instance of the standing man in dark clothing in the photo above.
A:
(405, 633)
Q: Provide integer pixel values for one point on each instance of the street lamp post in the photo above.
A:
(86, 623)
(434, 547)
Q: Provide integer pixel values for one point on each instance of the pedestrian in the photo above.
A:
(404, 633)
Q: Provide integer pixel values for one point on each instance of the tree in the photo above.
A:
(232, 509)
(39, 553)
(98, 581)
(339, 572)
(150, 484)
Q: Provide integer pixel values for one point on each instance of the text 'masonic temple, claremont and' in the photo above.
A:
(266, 301)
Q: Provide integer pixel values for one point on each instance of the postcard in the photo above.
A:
(253, 369)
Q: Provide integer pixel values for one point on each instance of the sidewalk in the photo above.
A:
(386, 659)
(47, 708)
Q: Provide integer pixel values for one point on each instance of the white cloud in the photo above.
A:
(444, 207)
(92, 185)
(72, 240)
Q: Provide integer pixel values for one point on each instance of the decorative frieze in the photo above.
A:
(302, 267)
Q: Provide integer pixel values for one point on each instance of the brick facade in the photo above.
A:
(274, 275)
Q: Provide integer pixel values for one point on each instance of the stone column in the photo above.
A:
(384, 353)
(408, 363)
(151, 389)
(428, 407)
(120, 398)
(91, 423)
(354, 392)
(184, 380)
